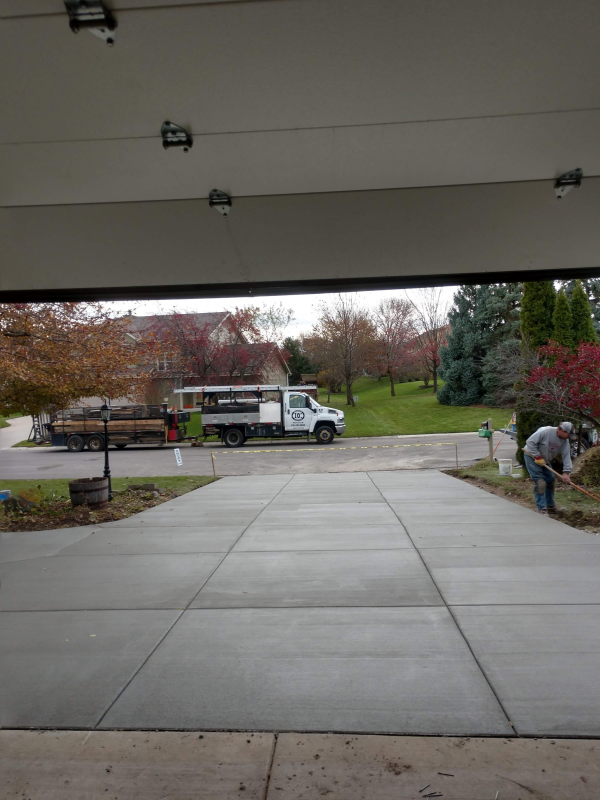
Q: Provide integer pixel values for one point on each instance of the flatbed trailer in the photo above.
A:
(77, 428)
(236, 413)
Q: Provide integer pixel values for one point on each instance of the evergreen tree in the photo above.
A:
(482, 319)
(298, 361)
(460, 360)
(592, 289)
(537, 311)
(562, 321)
(583, 327)
(503, 311)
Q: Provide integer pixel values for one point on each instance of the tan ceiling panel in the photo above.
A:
(297, 64)
(488, 150)
(299, 240)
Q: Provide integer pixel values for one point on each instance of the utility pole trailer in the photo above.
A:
(76, 428)
(237, 413)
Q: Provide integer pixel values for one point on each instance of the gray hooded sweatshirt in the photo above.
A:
(545, 443)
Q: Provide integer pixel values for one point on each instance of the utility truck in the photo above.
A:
(237, 413)
(76, 428)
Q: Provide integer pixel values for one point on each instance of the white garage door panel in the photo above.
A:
(301, 63)
(411, 233)
(328, 160)
(25, 8)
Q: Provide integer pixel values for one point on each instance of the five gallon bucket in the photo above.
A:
(505, 466)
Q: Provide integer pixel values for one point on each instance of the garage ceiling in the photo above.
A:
(425, 110)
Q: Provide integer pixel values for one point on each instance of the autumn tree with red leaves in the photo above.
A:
(53, 354)
(191, 352)
(394, 324)
(568, 383)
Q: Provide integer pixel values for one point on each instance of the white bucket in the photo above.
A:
(505, 466)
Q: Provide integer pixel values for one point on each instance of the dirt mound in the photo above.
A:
(586, 469)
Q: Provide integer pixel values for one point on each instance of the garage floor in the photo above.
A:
(384, 602)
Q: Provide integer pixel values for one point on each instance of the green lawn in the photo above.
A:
(60, 486)
(412, 410)
(4, 423)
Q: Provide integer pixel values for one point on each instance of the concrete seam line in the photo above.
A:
(252, 521)
(458, 628)
(270, 769)
(136, 671)
(176, 620)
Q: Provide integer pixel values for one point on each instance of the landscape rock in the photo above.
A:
(149, 487)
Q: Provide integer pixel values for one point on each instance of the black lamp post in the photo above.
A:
(105, 416)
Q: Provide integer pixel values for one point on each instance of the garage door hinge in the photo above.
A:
(92, 15)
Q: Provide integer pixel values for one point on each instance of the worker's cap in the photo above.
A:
(568, 427)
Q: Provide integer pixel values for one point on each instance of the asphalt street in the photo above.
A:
(256, 457)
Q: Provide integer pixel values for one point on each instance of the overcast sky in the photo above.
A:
(304, 305)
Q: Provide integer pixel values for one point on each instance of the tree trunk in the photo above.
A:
(349, 398)
(434, 379)
(328, 393)
(392, 387)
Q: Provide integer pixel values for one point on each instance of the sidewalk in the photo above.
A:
(290, 766)
(18, 430)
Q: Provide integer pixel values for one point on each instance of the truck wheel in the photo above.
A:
(233, 437)
(95, 443)
(75, 444)
(324, 435)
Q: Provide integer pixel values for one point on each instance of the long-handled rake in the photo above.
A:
(574, 485)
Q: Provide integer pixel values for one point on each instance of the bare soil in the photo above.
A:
(59, 513)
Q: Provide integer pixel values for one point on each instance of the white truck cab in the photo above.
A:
(237, 413)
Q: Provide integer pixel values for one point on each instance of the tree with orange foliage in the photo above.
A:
(53, 354)
(344, 340)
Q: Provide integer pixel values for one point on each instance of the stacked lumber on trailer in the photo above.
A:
(114, 426)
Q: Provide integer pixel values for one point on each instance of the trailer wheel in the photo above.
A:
(233, 437)
(95, 443)
(75, 444)
(324, 435)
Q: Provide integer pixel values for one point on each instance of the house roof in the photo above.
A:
(200, 319)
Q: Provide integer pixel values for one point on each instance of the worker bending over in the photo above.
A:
(540, 449)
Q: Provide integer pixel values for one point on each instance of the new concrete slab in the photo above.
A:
(495, 534)
(332, 544)
(359, 669)
(104, 582)
(22, 545)
(543, 663)
(143, 540)
(342, 767)
(65, 668)
(556, 574)
(323, 578)
(64, 765)
(323, 537)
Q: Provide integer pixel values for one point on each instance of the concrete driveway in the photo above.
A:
(393, 602)
(288, 456)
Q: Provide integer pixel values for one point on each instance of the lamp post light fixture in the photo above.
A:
(105, 417)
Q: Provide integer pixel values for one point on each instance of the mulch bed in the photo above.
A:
(59, 513)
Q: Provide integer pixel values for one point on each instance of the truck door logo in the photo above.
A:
(297, 416)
